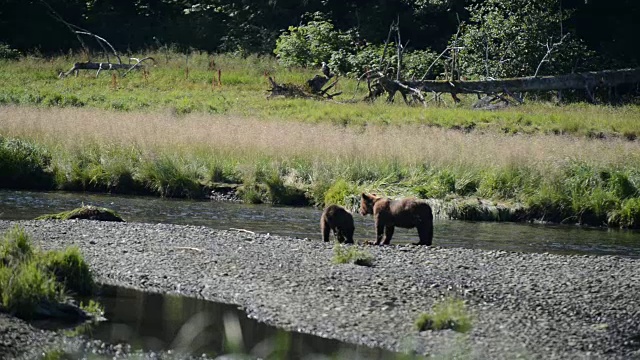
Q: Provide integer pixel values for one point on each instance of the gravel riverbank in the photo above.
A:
(528, 305)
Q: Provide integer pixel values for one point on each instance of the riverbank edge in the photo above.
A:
(531, 305)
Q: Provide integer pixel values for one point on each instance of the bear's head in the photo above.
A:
(366, 203)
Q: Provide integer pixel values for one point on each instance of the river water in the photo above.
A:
(159, 322)
(154, 322)
(304, 223)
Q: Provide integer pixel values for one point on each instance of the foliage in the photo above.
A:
(509, 38)
(30, 278)
(345, 254)
(24, 165)
(281, 194)
(421, 63)
(93, 307)
(70, 269)
(170, 177)
(310, 44)
(448, 314)
(26, 285)
(245, 27)
(338, 192)
(628, 215)
(15, 247)
(7, 53)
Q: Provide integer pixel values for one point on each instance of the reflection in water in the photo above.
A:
(305, 222)
(155, 322)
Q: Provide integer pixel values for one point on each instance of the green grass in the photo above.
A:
(30, 278)
(343, 254)
(70, 270)
(173, 136)
(34, 81)
(24, 165)
(449, 314)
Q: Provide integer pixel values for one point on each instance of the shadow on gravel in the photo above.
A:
(152, 322)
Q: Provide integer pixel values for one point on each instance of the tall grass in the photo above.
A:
(559, 178)
(30, 278)
(24, 164)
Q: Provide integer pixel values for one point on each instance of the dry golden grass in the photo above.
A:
(244, 138)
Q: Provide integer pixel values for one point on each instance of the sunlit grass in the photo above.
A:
(31, 279)
(34, 81)
(179, 135)
(559, 178)
(450, 313)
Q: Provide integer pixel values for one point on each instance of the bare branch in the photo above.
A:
(550, 49)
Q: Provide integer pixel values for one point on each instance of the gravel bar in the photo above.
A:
(524, 305)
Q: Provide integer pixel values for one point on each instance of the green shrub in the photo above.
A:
(70, 269)
(169, 177)
(343, 254)
(31, 279)
(420, 62)
(338, 192)
(15, 247)
(628, 215)
(440, 185)
(310, 44)
(251, 194)
(448, 314)
(25, 286)
(281, 194)
(24, 165)
(93, 307)
(507, 183)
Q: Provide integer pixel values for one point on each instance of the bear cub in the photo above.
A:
(337, 219)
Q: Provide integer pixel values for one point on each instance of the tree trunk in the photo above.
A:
(586, 80)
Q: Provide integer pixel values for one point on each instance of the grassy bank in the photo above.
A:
(178, 86)
(555, 178)
(35, 284)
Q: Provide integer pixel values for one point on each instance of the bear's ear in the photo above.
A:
(364, 196)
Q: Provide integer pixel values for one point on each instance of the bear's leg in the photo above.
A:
(388, 233)
(379, 232)
(325, 229)
(339, 235)
(349, 235)
(425, 232)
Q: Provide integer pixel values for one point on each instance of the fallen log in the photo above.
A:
(99, 66)
(583, 81)
(313, 90)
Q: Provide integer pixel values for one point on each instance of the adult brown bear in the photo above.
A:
(404, 213)
(338, 219)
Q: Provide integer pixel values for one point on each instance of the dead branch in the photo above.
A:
(99, 66)
(550, 48)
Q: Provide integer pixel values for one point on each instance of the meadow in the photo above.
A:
(177, 132)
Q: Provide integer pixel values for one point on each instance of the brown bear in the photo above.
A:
(338, 219)
(405, 213)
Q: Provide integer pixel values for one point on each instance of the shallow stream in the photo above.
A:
(304, 223)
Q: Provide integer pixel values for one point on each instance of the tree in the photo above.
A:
(512, 38)
(310, 44)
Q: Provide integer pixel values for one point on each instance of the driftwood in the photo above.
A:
(99, 66)
(587, 81)
(312, 90)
